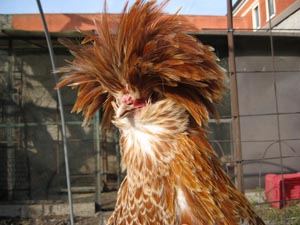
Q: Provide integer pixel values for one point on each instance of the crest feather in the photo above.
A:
(147, 50)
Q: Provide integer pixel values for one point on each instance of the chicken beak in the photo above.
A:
(123, 109)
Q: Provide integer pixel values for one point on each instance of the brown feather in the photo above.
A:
(151, 52)
(158, 85)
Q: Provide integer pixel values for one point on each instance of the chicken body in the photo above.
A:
(158, 85)
(173, 175)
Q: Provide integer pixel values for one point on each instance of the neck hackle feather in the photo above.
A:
(158, 85)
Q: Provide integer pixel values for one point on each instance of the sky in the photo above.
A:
(189, 7)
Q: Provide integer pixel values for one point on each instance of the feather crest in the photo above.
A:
(147, 51)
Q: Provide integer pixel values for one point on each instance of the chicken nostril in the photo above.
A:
(127, 99)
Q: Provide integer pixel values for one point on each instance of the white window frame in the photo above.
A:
(255, 25)
(267, 8)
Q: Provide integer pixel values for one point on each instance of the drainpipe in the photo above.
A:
(63, 127)
(234, 99)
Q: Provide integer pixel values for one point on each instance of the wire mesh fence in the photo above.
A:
(268, 80)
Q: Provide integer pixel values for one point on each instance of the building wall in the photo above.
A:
(31, 148)
(290, 24)
(31, 153)
(265, 130)
(269, 96)
(244, 10)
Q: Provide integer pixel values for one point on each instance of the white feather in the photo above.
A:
(181, 201)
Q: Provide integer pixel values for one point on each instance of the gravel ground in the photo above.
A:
(98, 219)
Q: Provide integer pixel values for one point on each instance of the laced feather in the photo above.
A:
(175, 178)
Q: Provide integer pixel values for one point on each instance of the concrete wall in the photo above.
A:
(31, 154)
(31, 147)
(269, 96)
(290, 24)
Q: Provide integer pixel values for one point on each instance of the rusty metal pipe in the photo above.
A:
(234, 99)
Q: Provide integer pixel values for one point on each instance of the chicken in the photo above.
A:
(158, 85)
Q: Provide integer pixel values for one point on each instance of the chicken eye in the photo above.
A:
(154, 97)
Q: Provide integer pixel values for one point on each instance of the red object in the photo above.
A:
(274, 188)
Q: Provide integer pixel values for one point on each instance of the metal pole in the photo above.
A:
(98, 159)
(11, 151)
(118, 153)
(51, 52)
(234, 98)
(282, 201)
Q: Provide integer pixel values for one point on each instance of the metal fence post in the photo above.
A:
(234, 98)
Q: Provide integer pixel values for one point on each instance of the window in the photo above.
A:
(255, 17)
(270, 7)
